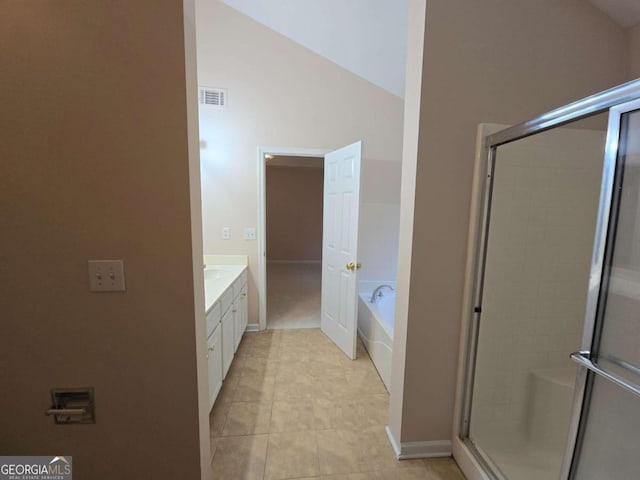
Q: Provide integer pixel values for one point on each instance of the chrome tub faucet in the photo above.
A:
(378, 292)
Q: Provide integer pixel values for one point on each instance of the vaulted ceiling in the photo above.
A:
(624, 12)
(367, 37)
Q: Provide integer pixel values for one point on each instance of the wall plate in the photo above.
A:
(106, 276)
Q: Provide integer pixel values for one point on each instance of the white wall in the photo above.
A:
(280, 95)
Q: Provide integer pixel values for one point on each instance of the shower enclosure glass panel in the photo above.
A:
(542, 223)
(621, 309)
(610, 446)
(611, 417)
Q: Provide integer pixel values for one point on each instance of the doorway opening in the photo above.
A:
(281, 167)
(293, 221)
(340, 225)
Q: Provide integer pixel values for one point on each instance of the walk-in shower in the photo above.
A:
(552, 373)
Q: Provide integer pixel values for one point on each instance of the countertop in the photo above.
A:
(217, 278)
(220, 273)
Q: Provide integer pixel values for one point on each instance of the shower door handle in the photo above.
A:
(582, 358)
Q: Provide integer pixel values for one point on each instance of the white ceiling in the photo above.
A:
(625, 12)
(366, 37)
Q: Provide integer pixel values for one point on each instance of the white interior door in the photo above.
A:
(340, 247)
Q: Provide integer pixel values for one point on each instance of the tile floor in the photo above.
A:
(294, 407)
(293, 295)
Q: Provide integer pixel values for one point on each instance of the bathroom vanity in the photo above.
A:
(225, 292)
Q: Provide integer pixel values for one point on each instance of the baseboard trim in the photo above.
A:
(392, 440)
(408, 450)
(252, 327)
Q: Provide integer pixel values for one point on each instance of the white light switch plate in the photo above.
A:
(249, 233)
(106, 276)
(226, 233)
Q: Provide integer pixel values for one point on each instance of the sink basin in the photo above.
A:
(215, 273)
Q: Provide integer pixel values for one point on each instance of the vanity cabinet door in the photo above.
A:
(240, 315)
(213, 318)
(214, 364)
(237, 323)
(244, 303)
(227, 341)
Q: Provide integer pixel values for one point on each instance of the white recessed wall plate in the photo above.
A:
(249, 233)
(106, 276)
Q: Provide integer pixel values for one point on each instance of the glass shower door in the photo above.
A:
(608, 446)
(544, 206)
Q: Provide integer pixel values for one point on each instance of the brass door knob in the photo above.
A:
(353, 266)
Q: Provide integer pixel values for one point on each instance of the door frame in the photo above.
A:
(262, 216)
(474, 464)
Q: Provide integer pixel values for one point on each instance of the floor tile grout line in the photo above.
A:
(359, 395)
(266, 457)
(315, 436)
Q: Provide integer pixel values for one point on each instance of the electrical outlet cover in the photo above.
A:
(249, 233)
(106, 276)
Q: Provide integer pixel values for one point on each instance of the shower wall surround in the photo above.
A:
(543, 216)
(379, 222)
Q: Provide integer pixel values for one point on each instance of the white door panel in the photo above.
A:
(340, 240)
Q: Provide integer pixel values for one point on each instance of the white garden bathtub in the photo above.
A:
(375, 328)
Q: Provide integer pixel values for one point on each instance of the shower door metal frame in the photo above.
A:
(590, 106)
(588, 357)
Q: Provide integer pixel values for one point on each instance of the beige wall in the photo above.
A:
(294, 213)
(483, 62)
(633, 35)
(280, 95)
(95, 165)
(412, 121)
(191, 77)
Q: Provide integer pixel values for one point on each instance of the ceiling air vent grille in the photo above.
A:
(213, 97)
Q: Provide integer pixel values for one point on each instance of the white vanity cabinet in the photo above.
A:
(214, 364)
(214, 352)
(227, 341)
(213, 318)
(244, 303)
(240, 313)
(226, 319)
